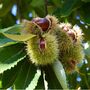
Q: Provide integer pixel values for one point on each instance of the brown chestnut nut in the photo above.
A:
(42, 22)
(71, 34)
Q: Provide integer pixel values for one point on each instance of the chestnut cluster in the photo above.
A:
(53, 41)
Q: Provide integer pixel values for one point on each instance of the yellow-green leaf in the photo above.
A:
(0, 84)
(24, 37)
(60, 74)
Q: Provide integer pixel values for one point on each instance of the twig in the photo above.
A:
(20, 17)
(46, 11)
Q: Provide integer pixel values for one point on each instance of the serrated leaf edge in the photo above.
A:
(11, 66)
(34, 82)
(45, 82)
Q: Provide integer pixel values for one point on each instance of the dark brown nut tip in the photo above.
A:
(71, 34)
(42, 22)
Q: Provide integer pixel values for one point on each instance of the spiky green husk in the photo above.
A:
(53, 21)
(64, 41)
(76, 52)
(48, 55)
(30, 27)
(70, 53)
(72, 57)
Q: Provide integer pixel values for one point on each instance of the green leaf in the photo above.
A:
(0, 84)
(10, 56)
(5, 41)
(45, 81)
(86, 0)
(7, 44)
(84, 13)
(24, 37)
(86, 33)
(0, 81)
(34, 82)
(85, 81)
(72, 80)
(87, 53)
(9, 76)
(87, 50)
(51, 78)
(25, 76)
(13, 29)
(67, 8)
(60, 74)
(40, 84)
(39, 7)
(58, 3)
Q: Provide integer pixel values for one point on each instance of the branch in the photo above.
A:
(46, 10)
